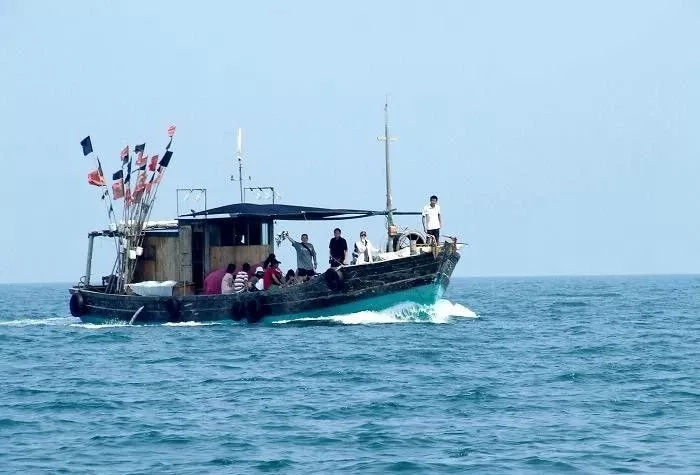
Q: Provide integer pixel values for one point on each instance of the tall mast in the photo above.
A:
(386, 138)
(239, 156)
(389, 204)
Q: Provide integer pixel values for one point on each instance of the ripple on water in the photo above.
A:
(554, 375)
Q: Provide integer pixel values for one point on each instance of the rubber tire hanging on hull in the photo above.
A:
(173, 308)
(238, 311)
(334, 279)
(254, 310)
(77, 305)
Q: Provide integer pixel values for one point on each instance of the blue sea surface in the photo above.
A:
(506, 375)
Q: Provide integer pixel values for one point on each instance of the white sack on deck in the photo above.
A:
(152, 288)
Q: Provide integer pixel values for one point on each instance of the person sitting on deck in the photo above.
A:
(256, 282)
(273, 274)
(227, 286)
(240, 284)
(212, 283)
(290, 278)
(268, 260)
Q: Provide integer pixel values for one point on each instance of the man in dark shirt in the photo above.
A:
(338, 249)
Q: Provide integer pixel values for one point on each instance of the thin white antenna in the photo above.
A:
(239, 156)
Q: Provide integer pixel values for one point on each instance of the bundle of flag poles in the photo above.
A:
(135, 185)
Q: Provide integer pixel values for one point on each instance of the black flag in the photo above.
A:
(87, 146)
(118, 176)
(140, 148)
(128, 172)
(166, 159)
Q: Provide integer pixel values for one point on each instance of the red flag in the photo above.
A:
(140, 187)
(96, 178)
(171, 131)
(125, 154)
(141, 159)
(154, 162)
(127, 196)
(118, 189)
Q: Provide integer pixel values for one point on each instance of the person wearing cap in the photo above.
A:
(273, 274)
(256, 281)
(363, 250)
(306, 256)
(432, 220)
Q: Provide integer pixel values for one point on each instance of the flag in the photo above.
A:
(171, 131)
(140, 187)
(87, 146)
(154, 162)
(141, 159)
(166, 159)
(127, 196)
(125, 154)
(118, 175)
(96, 178)
(140, 148)
(118, 189)
(128, 172)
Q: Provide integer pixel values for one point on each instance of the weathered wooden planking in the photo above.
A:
(221, 256)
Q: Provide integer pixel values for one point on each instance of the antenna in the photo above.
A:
(239, 156)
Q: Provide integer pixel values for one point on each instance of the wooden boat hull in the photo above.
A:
(421, 278)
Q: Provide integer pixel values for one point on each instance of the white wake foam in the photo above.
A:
(190, 324)
(23, 322)
(405, 312)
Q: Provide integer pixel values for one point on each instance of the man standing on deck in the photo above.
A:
(432, 220)
(306, 256)
(338, 248)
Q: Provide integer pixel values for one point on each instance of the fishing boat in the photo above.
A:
(160, 266)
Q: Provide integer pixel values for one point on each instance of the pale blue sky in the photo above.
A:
(561, 137)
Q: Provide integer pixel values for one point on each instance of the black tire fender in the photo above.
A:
(254, 310)
(172, 306)
(77, 305)
(238, 311)
(334, 279)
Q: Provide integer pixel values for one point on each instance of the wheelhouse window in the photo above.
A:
(238, 232)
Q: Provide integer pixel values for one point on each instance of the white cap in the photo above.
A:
(259, 269)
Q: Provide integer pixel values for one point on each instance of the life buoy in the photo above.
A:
(254, 310)
(334, 279)
(173, 308)
(77, 305)
(238, 311)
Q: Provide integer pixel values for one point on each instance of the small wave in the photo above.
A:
(406, 312)
(100, 326)
(190, 324)
(574, 303)
(37, 321)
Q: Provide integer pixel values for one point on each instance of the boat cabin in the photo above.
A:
(187, 249)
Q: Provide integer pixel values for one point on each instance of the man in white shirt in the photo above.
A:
(432, 221)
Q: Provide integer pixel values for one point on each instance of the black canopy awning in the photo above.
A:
(289, 212)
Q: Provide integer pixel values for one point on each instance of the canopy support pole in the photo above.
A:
(88, 266)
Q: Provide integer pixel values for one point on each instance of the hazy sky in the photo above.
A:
(561, 137)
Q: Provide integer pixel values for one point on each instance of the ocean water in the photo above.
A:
(505, 375)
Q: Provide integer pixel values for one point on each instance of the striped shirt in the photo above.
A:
(239, 285)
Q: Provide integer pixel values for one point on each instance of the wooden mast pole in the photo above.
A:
(386, 138)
